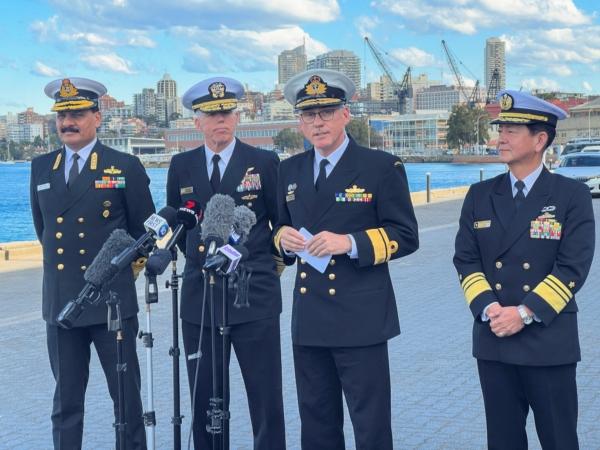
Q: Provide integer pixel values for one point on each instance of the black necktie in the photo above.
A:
(322, 174)
(520, 197)
(215, 178)
(73, 171)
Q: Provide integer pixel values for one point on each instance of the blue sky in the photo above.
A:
(130, 44)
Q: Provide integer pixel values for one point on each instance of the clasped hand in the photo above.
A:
(505, 320)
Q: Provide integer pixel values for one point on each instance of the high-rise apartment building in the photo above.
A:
(144, 104)
(343, 61)
(291, 62)
(167, 102)
(167, 86)
(495, 59)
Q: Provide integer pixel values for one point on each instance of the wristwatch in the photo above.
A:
(527, 319)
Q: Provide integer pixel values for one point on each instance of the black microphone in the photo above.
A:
(217, 223)
(187, 218)
(99, 273)
(157, 226)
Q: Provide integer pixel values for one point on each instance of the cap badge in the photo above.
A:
(67, 89)
(315, 86)
(217, 89)
(506, 102)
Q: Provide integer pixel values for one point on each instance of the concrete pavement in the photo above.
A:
(436, 397)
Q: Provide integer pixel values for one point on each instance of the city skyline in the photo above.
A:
(129, 45)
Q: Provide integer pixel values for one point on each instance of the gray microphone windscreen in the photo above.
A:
(100, 270)
(218, 217)
(243, 221)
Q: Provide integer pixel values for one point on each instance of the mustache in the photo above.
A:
(69, 130)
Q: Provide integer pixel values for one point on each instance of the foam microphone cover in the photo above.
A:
(101, 270)
(218, 217)
(243, 221)
(170, 215)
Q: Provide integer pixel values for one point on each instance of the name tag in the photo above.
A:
(482, 224)
(43, 187)
(186, 190)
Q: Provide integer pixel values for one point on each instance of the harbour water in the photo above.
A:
(15, 211)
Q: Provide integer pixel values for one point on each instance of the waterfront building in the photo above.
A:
(291, 62)
(583, 122)
(438, 97)
(258, 134)
(277, 110)
(423, 133)
(107, 102)
(494, 58)
(343, 61)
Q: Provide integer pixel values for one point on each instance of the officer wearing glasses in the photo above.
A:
(351, 206)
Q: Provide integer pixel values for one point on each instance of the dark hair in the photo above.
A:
(535, 128)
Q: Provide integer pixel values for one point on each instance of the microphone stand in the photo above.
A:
(116, 325)
(148, 342)
(226, 333)
(174, 350)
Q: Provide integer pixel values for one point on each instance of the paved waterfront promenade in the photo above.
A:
(436, 397)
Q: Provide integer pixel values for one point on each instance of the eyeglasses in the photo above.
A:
(325, 115)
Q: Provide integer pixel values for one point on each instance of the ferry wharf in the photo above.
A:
(436, 398)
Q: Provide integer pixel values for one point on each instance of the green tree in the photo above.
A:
(358, 129)
(288, 139)
(462, 126)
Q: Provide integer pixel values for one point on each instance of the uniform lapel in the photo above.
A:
(85, 179)
(530, 209)
(338, 180)
(57, 181)
(502, 199)
(198, 175)
(235, 171)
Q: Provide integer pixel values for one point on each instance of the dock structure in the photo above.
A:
(436, 398)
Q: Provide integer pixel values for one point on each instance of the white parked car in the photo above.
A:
(582, 166)
(594, 185)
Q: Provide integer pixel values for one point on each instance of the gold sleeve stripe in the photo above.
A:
(474, 285)
(560, 286)
(379, 248)
(470, 277)
(550, 296)
(388, 246)
(277, 240)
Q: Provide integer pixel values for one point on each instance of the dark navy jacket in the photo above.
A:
(366, 195)
(73, 224)
(188, 180)
(538, 256)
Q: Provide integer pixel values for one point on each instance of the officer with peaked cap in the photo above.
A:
(226, 165)
(523, 250)
(350, 205)
(80, 193)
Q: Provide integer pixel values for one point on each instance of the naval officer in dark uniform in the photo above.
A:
(355, 204)
(226, 165)
(523, 250)
(80, 193)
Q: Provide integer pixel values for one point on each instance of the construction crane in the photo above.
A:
(473, 97)
(402, 90)
(493, 88)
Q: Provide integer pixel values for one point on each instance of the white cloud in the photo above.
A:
(157, 14)
(470, 16)
(137, 39)
(543, 84)
(364, 25)
(560, 70)
(414, 57)
(229, 50)
(110, 62)
(42, 69)
(45, 30)
(587, 86)
(86, 38)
